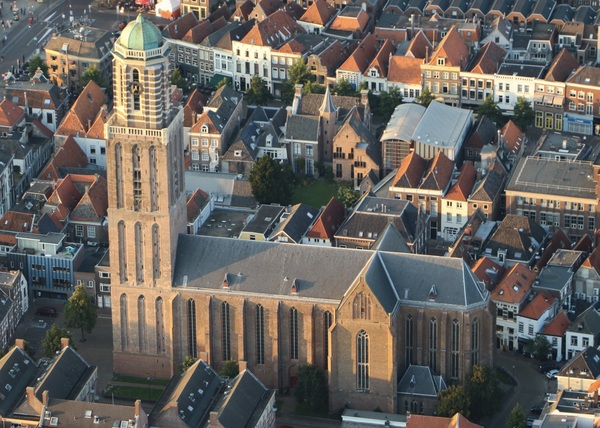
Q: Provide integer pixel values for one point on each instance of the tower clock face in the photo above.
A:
(135, 88)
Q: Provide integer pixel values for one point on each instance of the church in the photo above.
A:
(363, 316)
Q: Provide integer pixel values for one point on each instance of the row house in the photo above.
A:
(214, 129)
(102, 270)
(199, 8)
(555, 193)
(14, 302)
(330, 218)
(376, 74)
(252, 55)
(542, 11)
(583, 332)
(455, 207)
(477, 82)
(514, 80)
(7, 198)
(549, 95)
(582, 101)
(511, 295)
(353, 69)
(404, 73)
(540, 310)
(351, 22)
(487, 195)
(484, 134)
(563, 13)
(441, 72)
(520, 12)
(323, 64)
(556, 278)
(587, 278)
(500, 32)
(317, 17)
(536, 45)
(222, 49)
(555, 332)
(580, 39)
(424, 184)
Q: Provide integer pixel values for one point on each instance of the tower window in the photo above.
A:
(294, 334)
(137, 178)
(226, 332)
(433, 344)
(191, 313)
(260, 335)
(327, 321)
(362, 361)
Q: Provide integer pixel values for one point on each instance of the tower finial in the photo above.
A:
(327, 106)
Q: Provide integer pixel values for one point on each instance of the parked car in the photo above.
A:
(549, 365)
(47, 311)
(552, 374)
(536, 411)
(530, 422)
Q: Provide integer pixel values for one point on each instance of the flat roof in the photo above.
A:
(442, 125)
(561, 143)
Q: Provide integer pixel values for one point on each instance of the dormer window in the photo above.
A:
(441, 61)
(204, 129)
(374, 73)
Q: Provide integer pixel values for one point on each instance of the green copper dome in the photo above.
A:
(141, 35)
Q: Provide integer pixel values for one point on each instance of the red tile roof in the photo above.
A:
(382, 59)
(193, 106)
(10, 113)
(593, 261)
(362, 56)
(329, 220)
(319, 13)
(274, 30)
(17, 221)
(512, 136)
(69, 154)
(453, 49)
(350, 23)
(84, 111)
(396, 35)
(461, 190)
(410, 171)
(95, 197)
(514, 285)
(178, 28)
(488, 59)
(439, 173)
(404, 69)
(558, 326)
(487, 271)
(536, 308)
(456, 421)
(419, 46)
(8, 239)
(561, 67)
(195, 203)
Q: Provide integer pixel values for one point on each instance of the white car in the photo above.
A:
(552, 374)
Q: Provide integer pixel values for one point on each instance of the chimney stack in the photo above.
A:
(45, 398)
(20, 343)
(64, 342)
(243, 365)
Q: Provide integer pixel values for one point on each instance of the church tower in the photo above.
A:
(147, 208)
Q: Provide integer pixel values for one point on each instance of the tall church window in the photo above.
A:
(119, 174)
(226, 331)
(139, 252)
(260, 334)
(362, 361)
(160, 327)
(361, 308)
(124, 321)
(142, 324)
(122, 252)
(155, 251)
(455, 348)
(136, 95)
(191, 315)
(433, 333)
(153, 179)
(327, 322)
(408, 337)
(137, 178)
(475, 342)
(294, 334)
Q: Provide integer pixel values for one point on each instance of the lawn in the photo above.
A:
(132, 392)
(315, 193)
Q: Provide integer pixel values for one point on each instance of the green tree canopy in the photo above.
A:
(313, 88)
(484, 392)
(51, 341)
(36, 62)
(178, 80)
(311, 388)
(298, 75)
(425, 98)
(346, 194)
(271, 181)
(452, 400)
(490, 109)
(187, 362)
(523, 114)
(80, 311)
(541, 347)
(94, 73)
(230, 369)
(516, 419)
(224, 81)
(344, 88)
(388, 101)
(258, 93)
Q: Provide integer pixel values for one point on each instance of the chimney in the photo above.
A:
(243, 365)
(138, 407)
(30, 393)
(298, 87)
(45, 398)
(20, 343)
(564, 144)
(214, 419)
(364, 97)
(64, 342)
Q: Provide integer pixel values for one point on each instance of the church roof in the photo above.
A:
(140, 34)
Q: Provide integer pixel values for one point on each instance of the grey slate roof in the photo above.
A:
(311, 103)
(264, 218)
(67, 372)
(12, 381)
(586, 361)
(245, 403)
(518, 235)
(302, 127)
(588, 322)
(204, 262)
(554, 278)
(296, 223)
(550, 177)
(420, 381)
(563, 12)
(391, 240)
(488, 187)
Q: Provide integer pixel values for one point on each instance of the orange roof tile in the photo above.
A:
(193, 106)
(178, 28)
(8, 238)
(487, 271)
(593, 261)
(274, 30)
(382, 59)
(410, 171)
(328, 222)
(439, 172)
(536, 308)
(350, 23)
(453, 49)
(396, 35)
(558, 326)
(69, 154)
(10, 113)
(362, 56)
(488, 59)
(195, 203)
(561, 67)
(514, 285)
(423, 421)
(419, 46)
(512, 136)
(404, 69)
(461, 190)
(319, 13)
(97, 128)
(84, 110)
(17, 221)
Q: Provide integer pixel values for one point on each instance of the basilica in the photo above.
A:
(363, 316)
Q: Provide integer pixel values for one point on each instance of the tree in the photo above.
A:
(346, 194)
(311, 388)
(313, 88)
(51, 341)
(187, 362)
(36, 62)
(483, 391)
(271, 181)
(490, 109)
(298, 75)
(344, 88)
(541, 347)
(452, 400)
(178, 80)
(523, 114)
(224, 81)
(425, 98)
(516, 419)
(388, 100)
(258, 93)
(80, 311)
(94, 73)
(229, 368)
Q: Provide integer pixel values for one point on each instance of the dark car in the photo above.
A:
(536, 411)
(549, 365)
(47, 311)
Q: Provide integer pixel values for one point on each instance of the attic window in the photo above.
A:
(515, 288)
(441, 61)
(46, 102)
(432, 293)
(238, 153)
(204, 129)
